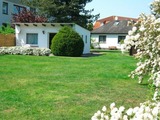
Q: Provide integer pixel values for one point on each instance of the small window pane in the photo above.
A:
(5, 8)
(18, 9)
(32, 38)
(120, 38)
(102, 39)
(86, 39)
(33, 10)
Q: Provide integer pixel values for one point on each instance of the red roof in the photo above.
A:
(103, 21)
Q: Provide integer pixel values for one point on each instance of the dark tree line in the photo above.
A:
(66, 11)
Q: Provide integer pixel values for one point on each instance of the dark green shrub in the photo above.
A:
(67, 42)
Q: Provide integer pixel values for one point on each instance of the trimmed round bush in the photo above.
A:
(67, 42)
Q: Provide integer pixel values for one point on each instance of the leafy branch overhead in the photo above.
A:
(64, 10)
(26, 16)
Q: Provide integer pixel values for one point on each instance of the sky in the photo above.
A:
(126, 8)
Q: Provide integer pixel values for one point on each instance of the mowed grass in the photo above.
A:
(66, 88)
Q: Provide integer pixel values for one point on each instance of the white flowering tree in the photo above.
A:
(145, 37)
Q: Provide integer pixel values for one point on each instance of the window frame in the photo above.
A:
(27, 39)
(86, 39)
(104, 39)
(5, 8)
(18, 9)
(121, 37)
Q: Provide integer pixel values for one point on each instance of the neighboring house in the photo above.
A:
(8, 8)
(41, 34)
(104, 21)
(110, 34)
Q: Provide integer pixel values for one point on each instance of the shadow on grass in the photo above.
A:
(93, 54)
(105, 50)
(145, 84)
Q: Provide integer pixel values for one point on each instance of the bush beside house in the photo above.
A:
(18, 50)
(67, 43)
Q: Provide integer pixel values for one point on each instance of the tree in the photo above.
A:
(64, 11)
(67, 42)
(145, 36)
(26, 16)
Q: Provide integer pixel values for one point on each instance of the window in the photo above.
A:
(18, 9)
(32, 38)
(33, 10)
(120, 38)
(86, 39)
(116, 23)
(5, 8)
(102, 39)
(82, 36)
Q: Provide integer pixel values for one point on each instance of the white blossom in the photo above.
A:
(112, 105)
(146, 111)
(104, 108)
(129, 112)
(145, 36)
(26, 50)
(142, 28)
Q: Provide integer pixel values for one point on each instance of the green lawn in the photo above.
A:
(66, 88)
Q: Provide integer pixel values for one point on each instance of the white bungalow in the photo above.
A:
(41, 34)
(111, 34)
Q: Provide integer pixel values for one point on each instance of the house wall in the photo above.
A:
(43, 39)
(85, 34)
(6, 18)
(111, 40)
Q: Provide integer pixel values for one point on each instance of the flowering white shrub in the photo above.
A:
(146, 111)
(25, 51)
(145, 37)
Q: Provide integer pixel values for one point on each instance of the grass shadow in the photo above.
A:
(93, 54)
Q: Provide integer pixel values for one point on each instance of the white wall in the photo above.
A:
(86, 37)
(43, 39)
(111, 40)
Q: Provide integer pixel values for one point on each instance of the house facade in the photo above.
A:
(110, 34)
(41, 34)
(8, 8)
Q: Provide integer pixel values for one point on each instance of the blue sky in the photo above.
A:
(126, 8)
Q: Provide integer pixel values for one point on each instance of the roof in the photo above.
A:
(44, 24)
(114, 27)
(15, 1)
(73, 25)
(111, 18)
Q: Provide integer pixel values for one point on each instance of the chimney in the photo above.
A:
(116, 18)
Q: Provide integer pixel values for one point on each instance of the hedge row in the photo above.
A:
(25, 51)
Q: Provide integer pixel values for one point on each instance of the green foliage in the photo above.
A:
(94, 44)
(121, 42)
(90, 26)
(7, 30)
(67, 43)
(66, 11)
